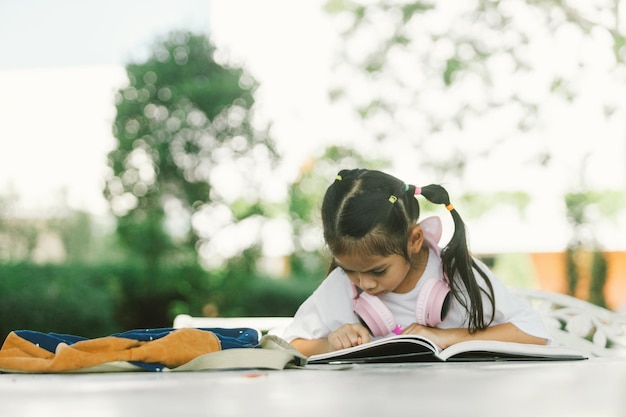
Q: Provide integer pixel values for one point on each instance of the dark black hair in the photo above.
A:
(373, 212)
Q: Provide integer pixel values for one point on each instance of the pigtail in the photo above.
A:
(458, 262)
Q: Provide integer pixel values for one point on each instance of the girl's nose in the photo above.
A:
(366, 284)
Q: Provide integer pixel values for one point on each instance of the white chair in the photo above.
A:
(579, 324)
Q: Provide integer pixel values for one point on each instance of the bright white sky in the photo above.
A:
(65, 58)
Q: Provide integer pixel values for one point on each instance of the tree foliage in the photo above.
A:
(186, 144)
(458, 80)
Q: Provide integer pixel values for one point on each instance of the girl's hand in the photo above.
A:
(348, 335)
(442, 337)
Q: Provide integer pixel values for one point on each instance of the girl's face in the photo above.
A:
(378, 274)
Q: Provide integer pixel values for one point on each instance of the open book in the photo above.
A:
(413, 348)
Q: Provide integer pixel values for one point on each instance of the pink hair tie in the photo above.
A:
(418, 190)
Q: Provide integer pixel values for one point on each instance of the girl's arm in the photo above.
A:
(506, 332)
(311, 347)
(355, 334)
(346, 336)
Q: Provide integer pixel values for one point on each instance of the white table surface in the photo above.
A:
(595, 387)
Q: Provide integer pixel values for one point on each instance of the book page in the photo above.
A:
(493, 350)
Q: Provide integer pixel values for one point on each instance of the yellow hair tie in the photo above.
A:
(393, 199)
(338, 178)
(450, 207)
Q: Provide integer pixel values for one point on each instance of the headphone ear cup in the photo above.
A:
(374, 314)
(432, 302)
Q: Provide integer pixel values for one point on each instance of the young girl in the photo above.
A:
(388, 274)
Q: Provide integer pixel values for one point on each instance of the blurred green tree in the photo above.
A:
(186, 147)
(586, 263)
(17, 237)
(431, 75)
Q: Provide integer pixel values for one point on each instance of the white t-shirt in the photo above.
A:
(330, 306)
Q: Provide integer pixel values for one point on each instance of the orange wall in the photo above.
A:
(551, 275)
(615, 288)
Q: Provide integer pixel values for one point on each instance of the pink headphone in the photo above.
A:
(431, 300)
